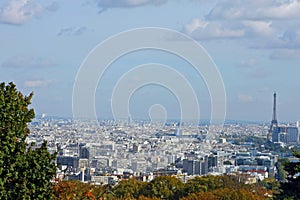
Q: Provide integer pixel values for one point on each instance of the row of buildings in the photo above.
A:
(107, 152)
(282, 134)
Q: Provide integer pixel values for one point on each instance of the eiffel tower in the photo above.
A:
(274, 122)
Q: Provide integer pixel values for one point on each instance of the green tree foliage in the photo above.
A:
(282, 174)
(130, 189)
(24, 173)
(290, 189)
(165, 187)
(272, 185)
(194, 185)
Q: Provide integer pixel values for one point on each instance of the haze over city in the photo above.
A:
(254, 44)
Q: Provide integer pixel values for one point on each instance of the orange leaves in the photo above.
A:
(76, 190)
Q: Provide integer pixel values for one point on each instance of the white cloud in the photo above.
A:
(194, 25)
(256, 27)
(255, 9)
(38, 83)
(289, 39)
(286, 10)
(269, 24)
(19, 11)
(200, 29)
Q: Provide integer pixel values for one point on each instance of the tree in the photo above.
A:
(75, 189)
(24, 173)
(164, 187)
(129, 189)
(194, 186)
(272, 185)
(282, 174)
(290, 189)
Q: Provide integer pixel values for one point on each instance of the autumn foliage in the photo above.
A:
(71, 190)
(165, 187)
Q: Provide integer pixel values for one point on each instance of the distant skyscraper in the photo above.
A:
(292, 135)
(277, 134)
(286, 134)
(274, 122)
(192, 167)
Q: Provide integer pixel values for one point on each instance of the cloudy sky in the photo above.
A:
(255, 45)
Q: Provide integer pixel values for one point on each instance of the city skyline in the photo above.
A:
(254, 44)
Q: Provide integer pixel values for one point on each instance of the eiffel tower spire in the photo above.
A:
(274, 122)
(274, 119)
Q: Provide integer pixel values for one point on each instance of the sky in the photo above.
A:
(255, 45)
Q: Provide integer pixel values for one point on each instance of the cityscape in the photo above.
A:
(107, 152)
(150, 99)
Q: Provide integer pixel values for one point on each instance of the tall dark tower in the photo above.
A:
(274, 122)
(274, 119)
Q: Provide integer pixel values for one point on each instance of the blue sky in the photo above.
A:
(255, 44)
